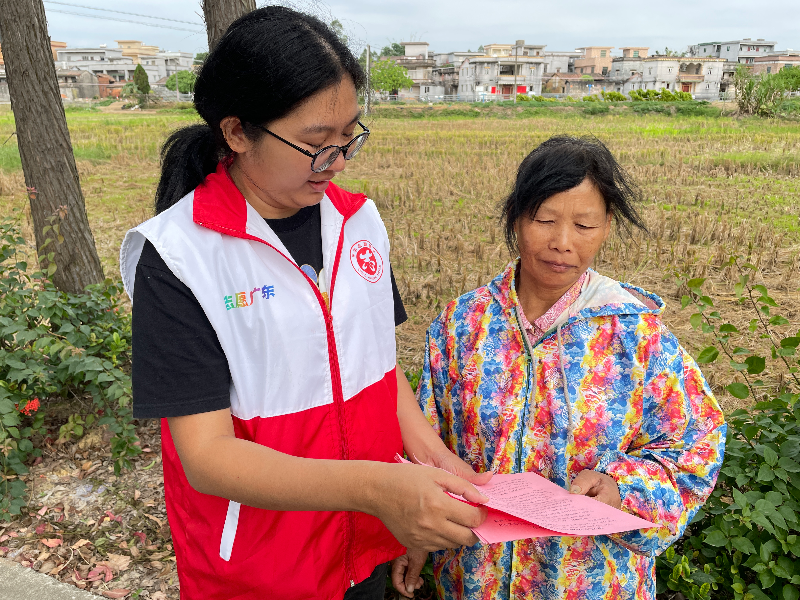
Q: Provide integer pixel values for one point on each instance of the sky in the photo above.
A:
(449, 25)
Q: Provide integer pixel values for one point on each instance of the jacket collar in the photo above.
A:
(600, 296)
(219, 205)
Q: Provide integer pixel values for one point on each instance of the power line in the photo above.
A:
(120, 12)
(66, 12)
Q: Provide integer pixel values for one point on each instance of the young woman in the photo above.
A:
(263, 331)
(555, 369)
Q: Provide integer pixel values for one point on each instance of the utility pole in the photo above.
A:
(58, 210)
(516, 53)
(368, 92)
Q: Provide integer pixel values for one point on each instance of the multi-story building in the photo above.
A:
(444, 73)
(596, 59)
(743, 51)
(494, 75)
(561, 61)
(108, 61)
(626, 66)
(776, 61)
(701, 77)
(419, 62)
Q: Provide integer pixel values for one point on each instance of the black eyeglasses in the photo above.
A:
(324, 158)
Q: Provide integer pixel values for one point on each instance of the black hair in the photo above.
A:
(267, 63)
(562, 163)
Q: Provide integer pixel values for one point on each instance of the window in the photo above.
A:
(635, 54)
(670, 69)
(605, 70)
(602, 53)
(705, 50)
(729, 48)
(592, 69)
(708, 87)
(769, 69)
(709, 71)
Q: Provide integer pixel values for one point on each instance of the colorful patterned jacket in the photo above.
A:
(609, 388)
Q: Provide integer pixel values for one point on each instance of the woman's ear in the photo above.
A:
(234, 135)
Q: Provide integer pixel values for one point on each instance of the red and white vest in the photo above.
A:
(306, 381)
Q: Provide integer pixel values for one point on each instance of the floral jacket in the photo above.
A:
(609, 388)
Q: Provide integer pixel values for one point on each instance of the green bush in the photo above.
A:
(186, 81)
(54, 344)
(745, 543)
(613, 96)
(591, 98)
(523, 98)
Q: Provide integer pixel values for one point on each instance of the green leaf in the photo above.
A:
(695, 283)
(708, 355)
(786, 463)
(696, 320)
(770, 456)
(742, 544)
(767, 579)
(716, 538)
(778, 320)
(755, 364)
(790, 342)
(790, 592)
(774, 498)
(685, 301)
(765, 473)
(738, 390)
(728, 328)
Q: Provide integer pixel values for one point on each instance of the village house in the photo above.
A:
(561, 61)
(503, 70)
(419, 62)
(700, 77)
(743, 51)
(596, 59)
(445, 71)
(624, 67)
(572, 84)
(776, 61)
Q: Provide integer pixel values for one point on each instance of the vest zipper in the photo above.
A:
(338, 399)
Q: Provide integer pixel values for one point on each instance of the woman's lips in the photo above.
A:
(557, 266)
(319, 186)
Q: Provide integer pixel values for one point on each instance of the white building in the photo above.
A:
(445, 73)
(419, 63)
(503, 66)
(742, 51)
(120, 63)
(561, 61)
(697, 76)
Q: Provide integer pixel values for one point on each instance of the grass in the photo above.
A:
(712, 185)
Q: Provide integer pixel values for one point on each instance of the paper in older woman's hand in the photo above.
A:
(526, 505)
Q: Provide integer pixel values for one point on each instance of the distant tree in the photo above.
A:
(60, 226)
(480, 48)
(141, 80)
(219, 14)
(186, 81)
(338, 29)
(362, 60)
(200, 58)
(395, 49)
(388, 76)
(668, 52)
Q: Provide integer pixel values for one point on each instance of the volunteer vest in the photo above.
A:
(312, 375)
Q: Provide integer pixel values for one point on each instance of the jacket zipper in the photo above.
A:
(531, 383)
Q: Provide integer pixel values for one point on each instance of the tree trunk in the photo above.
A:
(219, 14)
(45, 148)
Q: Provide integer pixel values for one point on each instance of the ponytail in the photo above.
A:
(187, 156)
(266, 64)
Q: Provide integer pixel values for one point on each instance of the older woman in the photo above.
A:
(556, 369)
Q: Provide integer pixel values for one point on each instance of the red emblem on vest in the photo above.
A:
(366, 261)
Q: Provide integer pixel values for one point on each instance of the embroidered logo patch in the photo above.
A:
(366, 261)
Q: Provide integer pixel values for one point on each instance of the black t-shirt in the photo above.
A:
(179, 367)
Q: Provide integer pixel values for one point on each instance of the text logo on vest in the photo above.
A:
(239, 300)
(366, 261)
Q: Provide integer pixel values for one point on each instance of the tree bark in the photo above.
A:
(44, 144)
(219, 14)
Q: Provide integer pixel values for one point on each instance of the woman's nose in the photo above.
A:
(338, 164)
(561, 239)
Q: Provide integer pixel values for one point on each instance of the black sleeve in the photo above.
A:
(400, 315)
(179, 367)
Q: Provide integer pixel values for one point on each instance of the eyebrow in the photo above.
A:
(320, 128)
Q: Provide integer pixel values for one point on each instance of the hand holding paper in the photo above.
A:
(526, 505)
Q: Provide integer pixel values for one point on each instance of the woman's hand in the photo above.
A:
(598, 486)
(447, 461)
(412, 503)
(406, 570)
